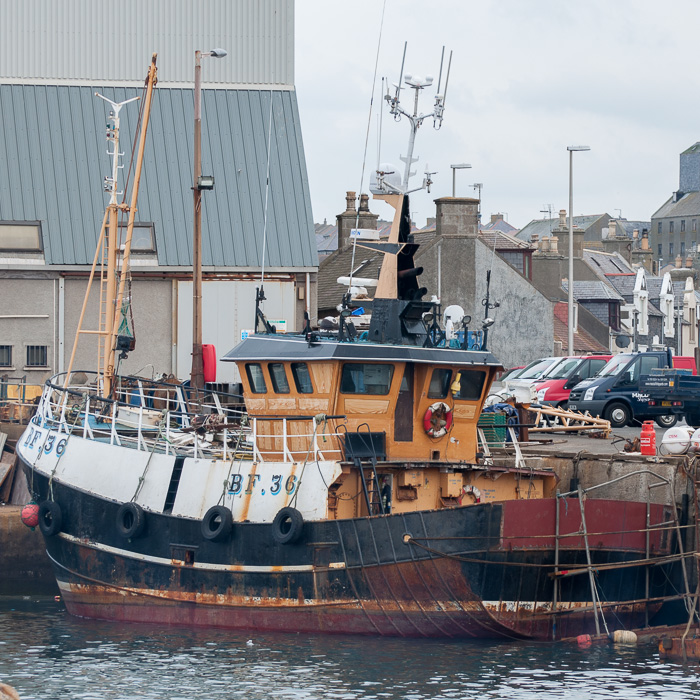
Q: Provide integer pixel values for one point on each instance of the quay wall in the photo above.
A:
(25, 568)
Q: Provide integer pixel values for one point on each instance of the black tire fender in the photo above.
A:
(50, 518)
(131, 520)
(217, 524)
(287, 525)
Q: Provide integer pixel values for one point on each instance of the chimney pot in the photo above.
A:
(364, 202)
(562, 218)
(553, 244)
(350, 202)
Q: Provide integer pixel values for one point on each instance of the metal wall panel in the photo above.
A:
(228, 308)
(53, 158)
(96, 40)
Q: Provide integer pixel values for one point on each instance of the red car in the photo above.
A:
(553, 388)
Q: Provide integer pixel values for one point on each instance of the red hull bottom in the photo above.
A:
(468, 620)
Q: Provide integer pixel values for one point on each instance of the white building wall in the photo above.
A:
(94, 40)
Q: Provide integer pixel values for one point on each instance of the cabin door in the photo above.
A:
(403, 413)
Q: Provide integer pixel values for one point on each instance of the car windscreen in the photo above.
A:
(563, 370)
(615, 366)
(536, 369)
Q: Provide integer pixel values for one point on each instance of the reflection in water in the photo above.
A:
(46, 653)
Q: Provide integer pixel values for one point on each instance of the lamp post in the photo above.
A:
(571, 150)
(200, 183)
(455, 168)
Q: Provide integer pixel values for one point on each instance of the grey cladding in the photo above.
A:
(53, 158)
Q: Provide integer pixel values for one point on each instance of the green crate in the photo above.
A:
(494, 428)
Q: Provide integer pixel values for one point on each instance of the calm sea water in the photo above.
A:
(46, 653)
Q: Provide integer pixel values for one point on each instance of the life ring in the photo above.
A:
(217, 524)
(131, 520)
(287, 525)
(50, 518)
(471, 491)
(437, 419)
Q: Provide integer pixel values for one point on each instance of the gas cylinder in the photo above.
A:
(648, 438)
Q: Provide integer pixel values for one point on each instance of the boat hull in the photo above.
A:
(474, 571)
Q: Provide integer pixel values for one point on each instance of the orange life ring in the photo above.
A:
(437, 419)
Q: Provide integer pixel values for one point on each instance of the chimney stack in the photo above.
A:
(352, 218)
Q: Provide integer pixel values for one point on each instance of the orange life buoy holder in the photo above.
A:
(437, 419)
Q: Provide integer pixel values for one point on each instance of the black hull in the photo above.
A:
(447, 573)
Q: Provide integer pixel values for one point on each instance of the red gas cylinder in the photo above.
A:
(30, 515)
(648, 438)
(209, 362)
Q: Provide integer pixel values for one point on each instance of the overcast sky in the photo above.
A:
(529, 77)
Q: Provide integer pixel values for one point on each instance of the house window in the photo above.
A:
(614, 316)
(20, 237)
(692, 321)
(142, 238)
(695, 225)
(661, 251)
(658, 227)
(670, 249)
(256, 378)
(278, 377)
(682, 225)
(670, 226)
(302, 378)
(682, 248)
(366, 379)
(37, 355)
(439, 383)
(5, 356)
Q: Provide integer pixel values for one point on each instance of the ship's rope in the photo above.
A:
(318, 419)
(267, 191)
(161, 435)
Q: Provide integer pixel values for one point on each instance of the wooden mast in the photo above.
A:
(112, 289)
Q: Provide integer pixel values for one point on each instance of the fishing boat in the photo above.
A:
(348, 491)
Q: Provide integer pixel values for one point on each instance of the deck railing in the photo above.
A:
(169, 418)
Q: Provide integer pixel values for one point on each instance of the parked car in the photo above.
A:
(615, 393)
(556, 383)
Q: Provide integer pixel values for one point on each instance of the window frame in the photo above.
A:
(298, 382)
(466, 372)
(42, 349)
(446, 383)
(139, 226)
(34, 224)
(274, 378)
(254, 387)
(9, 349)
(346, 365)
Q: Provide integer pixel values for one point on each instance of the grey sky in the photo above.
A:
(529, 77)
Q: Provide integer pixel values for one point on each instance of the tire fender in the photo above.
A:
(131, 520)
(287, 525)
(217, 524)
(50, 518)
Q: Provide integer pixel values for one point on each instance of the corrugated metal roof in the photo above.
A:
(53, 158)
(79, 40)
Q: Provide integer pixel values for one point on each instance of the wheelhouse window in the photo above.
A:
(278, 378)
(363, 378)
(302, 378)
(20, 237)
(256, 378)
(5, 356)
(439, 383)
(471, 385)
(37, 356)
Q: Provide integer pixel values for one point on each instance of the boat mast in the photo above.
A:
(113, 283)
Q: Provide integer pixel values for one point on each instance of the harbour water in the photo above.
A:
(46, 653)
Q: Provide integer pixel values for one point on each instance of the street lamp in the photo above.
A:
(571, 150)
(200, 183)
(455, 168)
